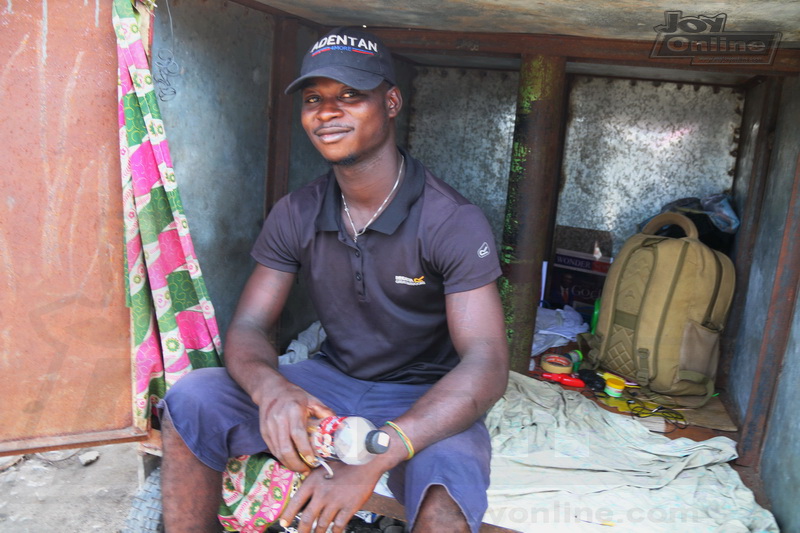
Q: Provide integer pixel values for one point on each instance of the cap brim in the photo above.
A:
(355, 78)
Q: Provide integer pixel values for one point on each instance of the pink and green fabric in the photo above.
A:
(173, 327)
(255, 489)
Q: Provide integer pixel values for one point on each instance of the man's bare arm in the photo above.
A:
(252, 362)
(475, 319)
(477, 327)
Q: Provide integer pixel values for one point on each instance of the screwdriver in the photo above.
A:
(564, 379)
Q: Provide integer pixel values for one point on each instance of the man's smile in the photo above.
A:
(331, 132)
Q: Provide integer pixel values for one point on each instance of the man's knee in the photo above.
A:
(440, 512)
(437, 498)
(462, 458)
(214, 417)
(193, 388)
(188, 401)
(457, 469)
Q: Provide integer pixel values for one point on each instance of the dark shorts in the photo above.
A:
(217, 420)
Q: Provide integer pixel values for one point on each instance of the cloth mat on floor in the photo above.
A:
(563, 464)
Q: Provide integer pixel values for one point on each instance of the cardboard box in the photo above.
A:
(576, 279)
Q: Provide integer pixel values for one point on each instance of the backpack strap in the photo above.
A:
(692, 402)
(589, 344)
(643, 367)
(668, 219)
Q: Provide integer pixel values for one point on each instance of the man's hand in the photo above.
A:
(252, 361)
(284, 411)
(331, 502)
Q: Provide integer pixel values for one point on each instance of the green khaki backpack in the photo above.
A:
(664, 304)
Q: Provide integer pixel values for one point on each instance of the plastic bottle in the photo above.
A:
(351, 439)
(576, 356)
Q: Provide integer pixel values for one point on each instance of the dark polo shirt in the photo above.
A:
(381, 301)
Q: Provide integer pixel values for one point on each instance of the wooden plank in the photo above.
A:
(589, 49)
(283, 73)
(532, 197)
(617, 51)
(274, 11)
(385, 506)
(60, 442)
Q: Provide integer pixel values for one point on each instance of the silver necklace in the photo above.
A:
(375, 215)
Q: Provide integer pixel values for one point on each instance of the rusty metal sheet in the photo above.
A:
(64, 344)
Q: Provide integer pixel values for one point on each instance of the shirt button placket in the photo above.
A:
(358, 264)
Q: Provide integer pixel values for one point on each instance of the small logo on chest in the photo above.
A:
(403, 280)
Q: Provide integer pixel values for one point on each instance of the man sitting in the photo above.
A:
(401, 270)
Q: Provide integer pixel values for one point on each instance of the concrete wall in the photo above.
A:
(214, 99)
(780, 465)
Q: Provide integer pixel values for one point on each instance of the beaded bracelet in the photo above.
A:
(403, 437)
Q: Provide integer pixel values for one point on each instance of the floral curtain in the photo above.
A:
(173, 329)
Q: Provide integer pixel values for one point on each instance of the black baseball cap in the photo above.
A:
(349, 55)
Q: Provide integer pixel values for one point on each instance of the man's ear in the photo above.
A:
(394, 101)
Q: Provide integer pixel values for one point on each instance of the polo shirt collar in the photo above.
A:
(395, 213)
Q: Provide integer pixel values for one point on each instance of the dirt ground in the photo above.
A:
(54, 491)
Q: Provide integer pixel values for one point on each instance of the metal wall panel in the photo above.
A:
(767, 250)
(65, 367)
(461, 128)
(633, 146)
(780, 462)
(217, 56)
